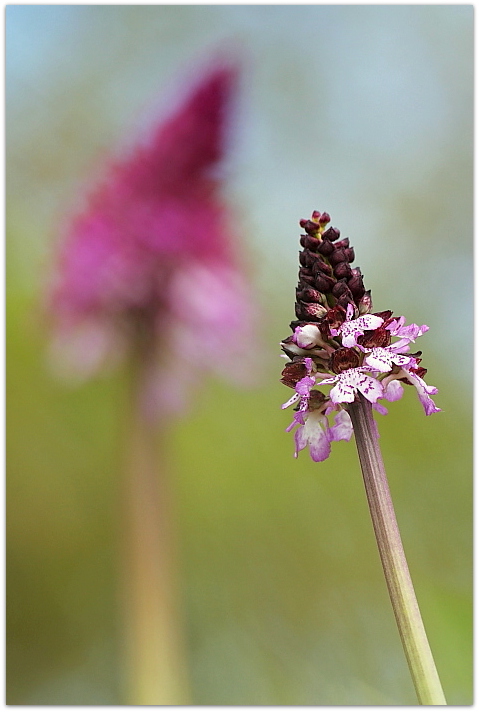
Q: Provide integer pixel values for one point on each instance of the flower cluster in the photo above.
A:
(338, 342)
(153, 252)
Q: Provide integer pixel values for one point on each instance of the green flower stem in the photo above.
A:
(401, 591)
(154, 668)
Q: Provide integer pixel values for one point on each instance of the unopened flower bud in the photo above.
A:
(325, 247)
(324, 283)
(308, 294)
(312, 228)
(350, 254)
(324, 219)
(332, 234)
(342, 271)
(345, 299)
(309, 242)
(356, 285)
(339, 288)
(306, 276)
(316, 311)
(343, 243)
(320, 266)
(339, 255)
(315, 215)
(307, 258)
(300, 311)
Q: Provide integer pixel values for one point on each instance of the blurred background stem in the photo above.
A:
(154, 669)
(401, 590)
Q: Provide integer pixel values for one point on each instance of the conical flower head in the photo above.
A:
(155, 244)
(337, 342)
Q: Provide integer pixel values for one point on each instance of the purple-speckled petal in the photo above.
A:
(424, 392)
(295, 397)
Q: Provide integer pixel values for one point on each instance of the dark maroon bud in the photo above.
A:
(311, 228)
(342, 271)
(309, 295)
(325, 247)
(306, 281)
(303, 259)
(345, 299)
(311, 243)
(314, 311)
(320, 266)
(307, 258)
(305, 275)
(339, 288)
(293, 372)
(338, 256)
(324, 283)
(350, 254)
(315, 215)
(348, 293)
(356, 271)
(332, 233)
(324, 219)
(343, 243)
(300, 311)
(356, 286)
(308, 312)
(343, 359)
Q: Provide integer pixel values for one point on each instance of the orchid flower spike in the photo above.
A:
(153, 252)
(337, 341)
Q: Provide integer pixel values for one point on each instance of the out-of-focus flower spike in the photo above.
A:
(155, 245)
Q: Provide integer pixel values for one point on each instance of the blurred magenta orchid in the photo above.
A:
(154, 248)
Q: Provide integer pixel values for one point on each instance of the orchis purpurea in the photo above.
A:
(154, 250)
(364, 357)
(338, 342)
(149, 273)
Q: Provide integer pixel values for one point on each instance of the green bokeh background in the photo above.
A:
(364, 111)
